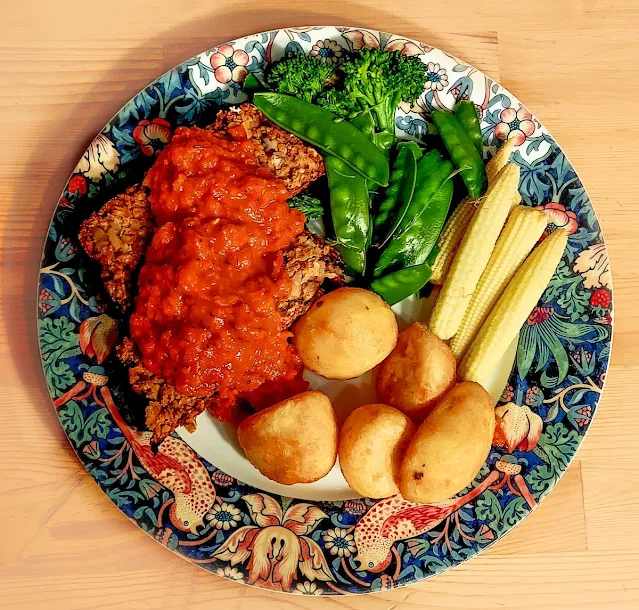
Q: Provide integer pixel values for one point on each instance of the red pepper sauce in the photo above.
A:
(206, 317)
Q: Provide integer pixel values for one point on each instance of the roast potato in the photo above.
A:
(419, 371)
(294, 441)
(372, 443)
(450, 447)
(345, 333)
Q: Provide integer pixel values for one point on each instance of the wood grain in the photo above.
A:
(67, 66)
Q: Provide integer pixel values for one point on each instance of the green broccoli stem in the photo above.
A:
(384, 113)
(384, 117)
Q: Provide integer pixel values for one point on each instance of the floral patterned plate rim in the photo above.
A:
(338, 547)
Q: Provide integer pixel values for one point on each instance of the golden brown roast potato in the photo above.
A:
(419, 371)
(450, 446)
(294, 441)
(345, 333)
(372, 443)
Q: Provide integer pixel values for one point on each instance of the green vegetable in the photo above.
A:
(311, 206)
(416, 235)
(349, 203)
(429, 225)
(354, 260)
(364, 122)
(398, 194)
(466, 113)
(376, 80)
(338, 103)
(415, 245)
(418, 151)
(432, 171)
(251, 84)
(396, 287)
(317, 126)
(384, 140)
(300, 75)
(461, 150)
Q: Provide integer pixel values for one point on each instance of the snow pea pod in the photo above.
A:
(252, 85)
(416, 243)
(398, 195)
(400, 177)
(466, 113)
(418, 151)
(461, 150)
(383, 140)
(365, 123)
(397, 286)
(432, 171)
(349, 201)
(318, 127)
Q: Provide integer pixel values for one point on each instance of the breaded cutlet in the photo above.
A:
(288, 158)
(310, 263)
(118, 234)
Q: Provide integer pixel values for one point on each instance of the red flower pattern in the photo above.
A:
(586, 416)
(354, 507)
(77, 184)
(98, 336)
(516, 124)
(45, 296)
(229, 65)
(152, 135)
(540, 314)
(559, 217)
(517, 427)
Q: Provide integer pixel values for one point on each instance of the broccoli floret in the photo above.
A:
(299, 75)
(379, 81)
(339, 103)
(311, 206)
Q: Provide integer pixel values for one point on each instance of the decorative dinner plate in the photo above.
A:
(198, 496)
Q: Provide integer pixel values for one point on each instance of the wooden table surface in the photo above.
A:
(67, 66)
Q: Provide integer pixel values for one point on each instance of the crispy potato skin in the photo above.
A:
(418, 372)
(345, 333)
(372, 443)
(294, 441)
(450, 446)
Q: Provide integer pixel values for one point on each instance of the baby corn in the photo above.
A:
(512, 309)
(457, 224)
(521, 232)
(450, 237)
(498, 162)
(474, 253)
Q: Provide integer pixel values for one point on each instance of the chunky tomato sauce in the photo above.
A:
(206, 317)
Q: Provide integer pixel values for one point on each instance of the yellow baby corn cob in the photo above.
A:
(519, 236)
(512, 309)
(473, 254)
(498, 162)
(450, 237)
(457, 224)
